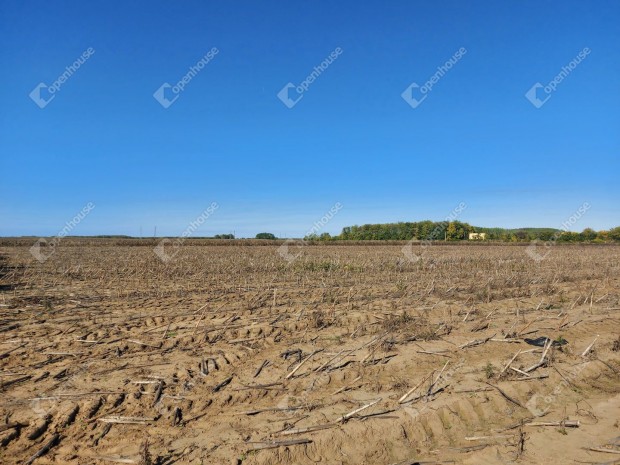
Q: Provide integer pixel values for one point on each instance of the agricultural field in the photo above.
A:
(334, 354)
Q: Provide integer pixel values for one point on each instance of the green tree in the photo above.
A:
(588, 234)
(451, 232)
(265, 235)
(614, 234)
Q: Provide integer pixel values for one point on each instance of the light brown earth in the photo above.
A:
(100, 332)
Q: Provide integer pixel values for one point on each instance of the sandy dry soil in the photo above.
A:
(344, 355)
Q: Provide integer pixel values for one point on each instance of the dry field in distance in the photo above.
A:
(349, 354)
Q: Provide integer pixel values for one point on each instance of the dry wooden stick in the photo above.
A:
(520, 372)
(260, 368)
(125, 420)
(602, 449)
(166, 331)
(567, 423)
(135, 341)
(223, 384)
(349, 352)
(525, 327)
(530, 378)
(506, 396)
(364, 407)
(158, 392)
(541, 362)
(201, 316)
(410, 391)
(259, 386)
(329, 361)
(309, 429)
(480, 438)
(510, 362)
(547, 347)
(476, 342)
(15, 381)
(290, 375)
(562, 322)
(438, 376)
(45, 449)
(344, 388)
(271, 409)
(585, 352)
(433, 353)
(275, 444)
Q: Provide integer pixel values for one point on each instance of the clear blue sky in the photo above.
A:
(351, 139)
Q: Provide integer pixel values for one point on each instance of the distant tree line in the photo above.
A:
(459, 231)
(266, 235)
(224, 236)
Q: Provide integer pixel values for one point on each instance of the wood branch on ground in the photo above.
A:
(476, 342)
(410, 391)
(308, 358)
(45, 449)
(223, 384)
(356, 411)
(589, 348)
(506, 396)
(126, 420)
(309, 429)
(275, 444)
(260, 368)
(564, 423)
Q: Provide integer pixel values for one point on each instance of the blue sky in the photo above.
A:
(352, 138)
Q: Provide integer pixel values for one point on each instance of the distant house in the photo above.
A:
(477, 236)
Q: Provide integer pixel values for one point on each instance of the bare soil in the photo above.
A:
(347, 354)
